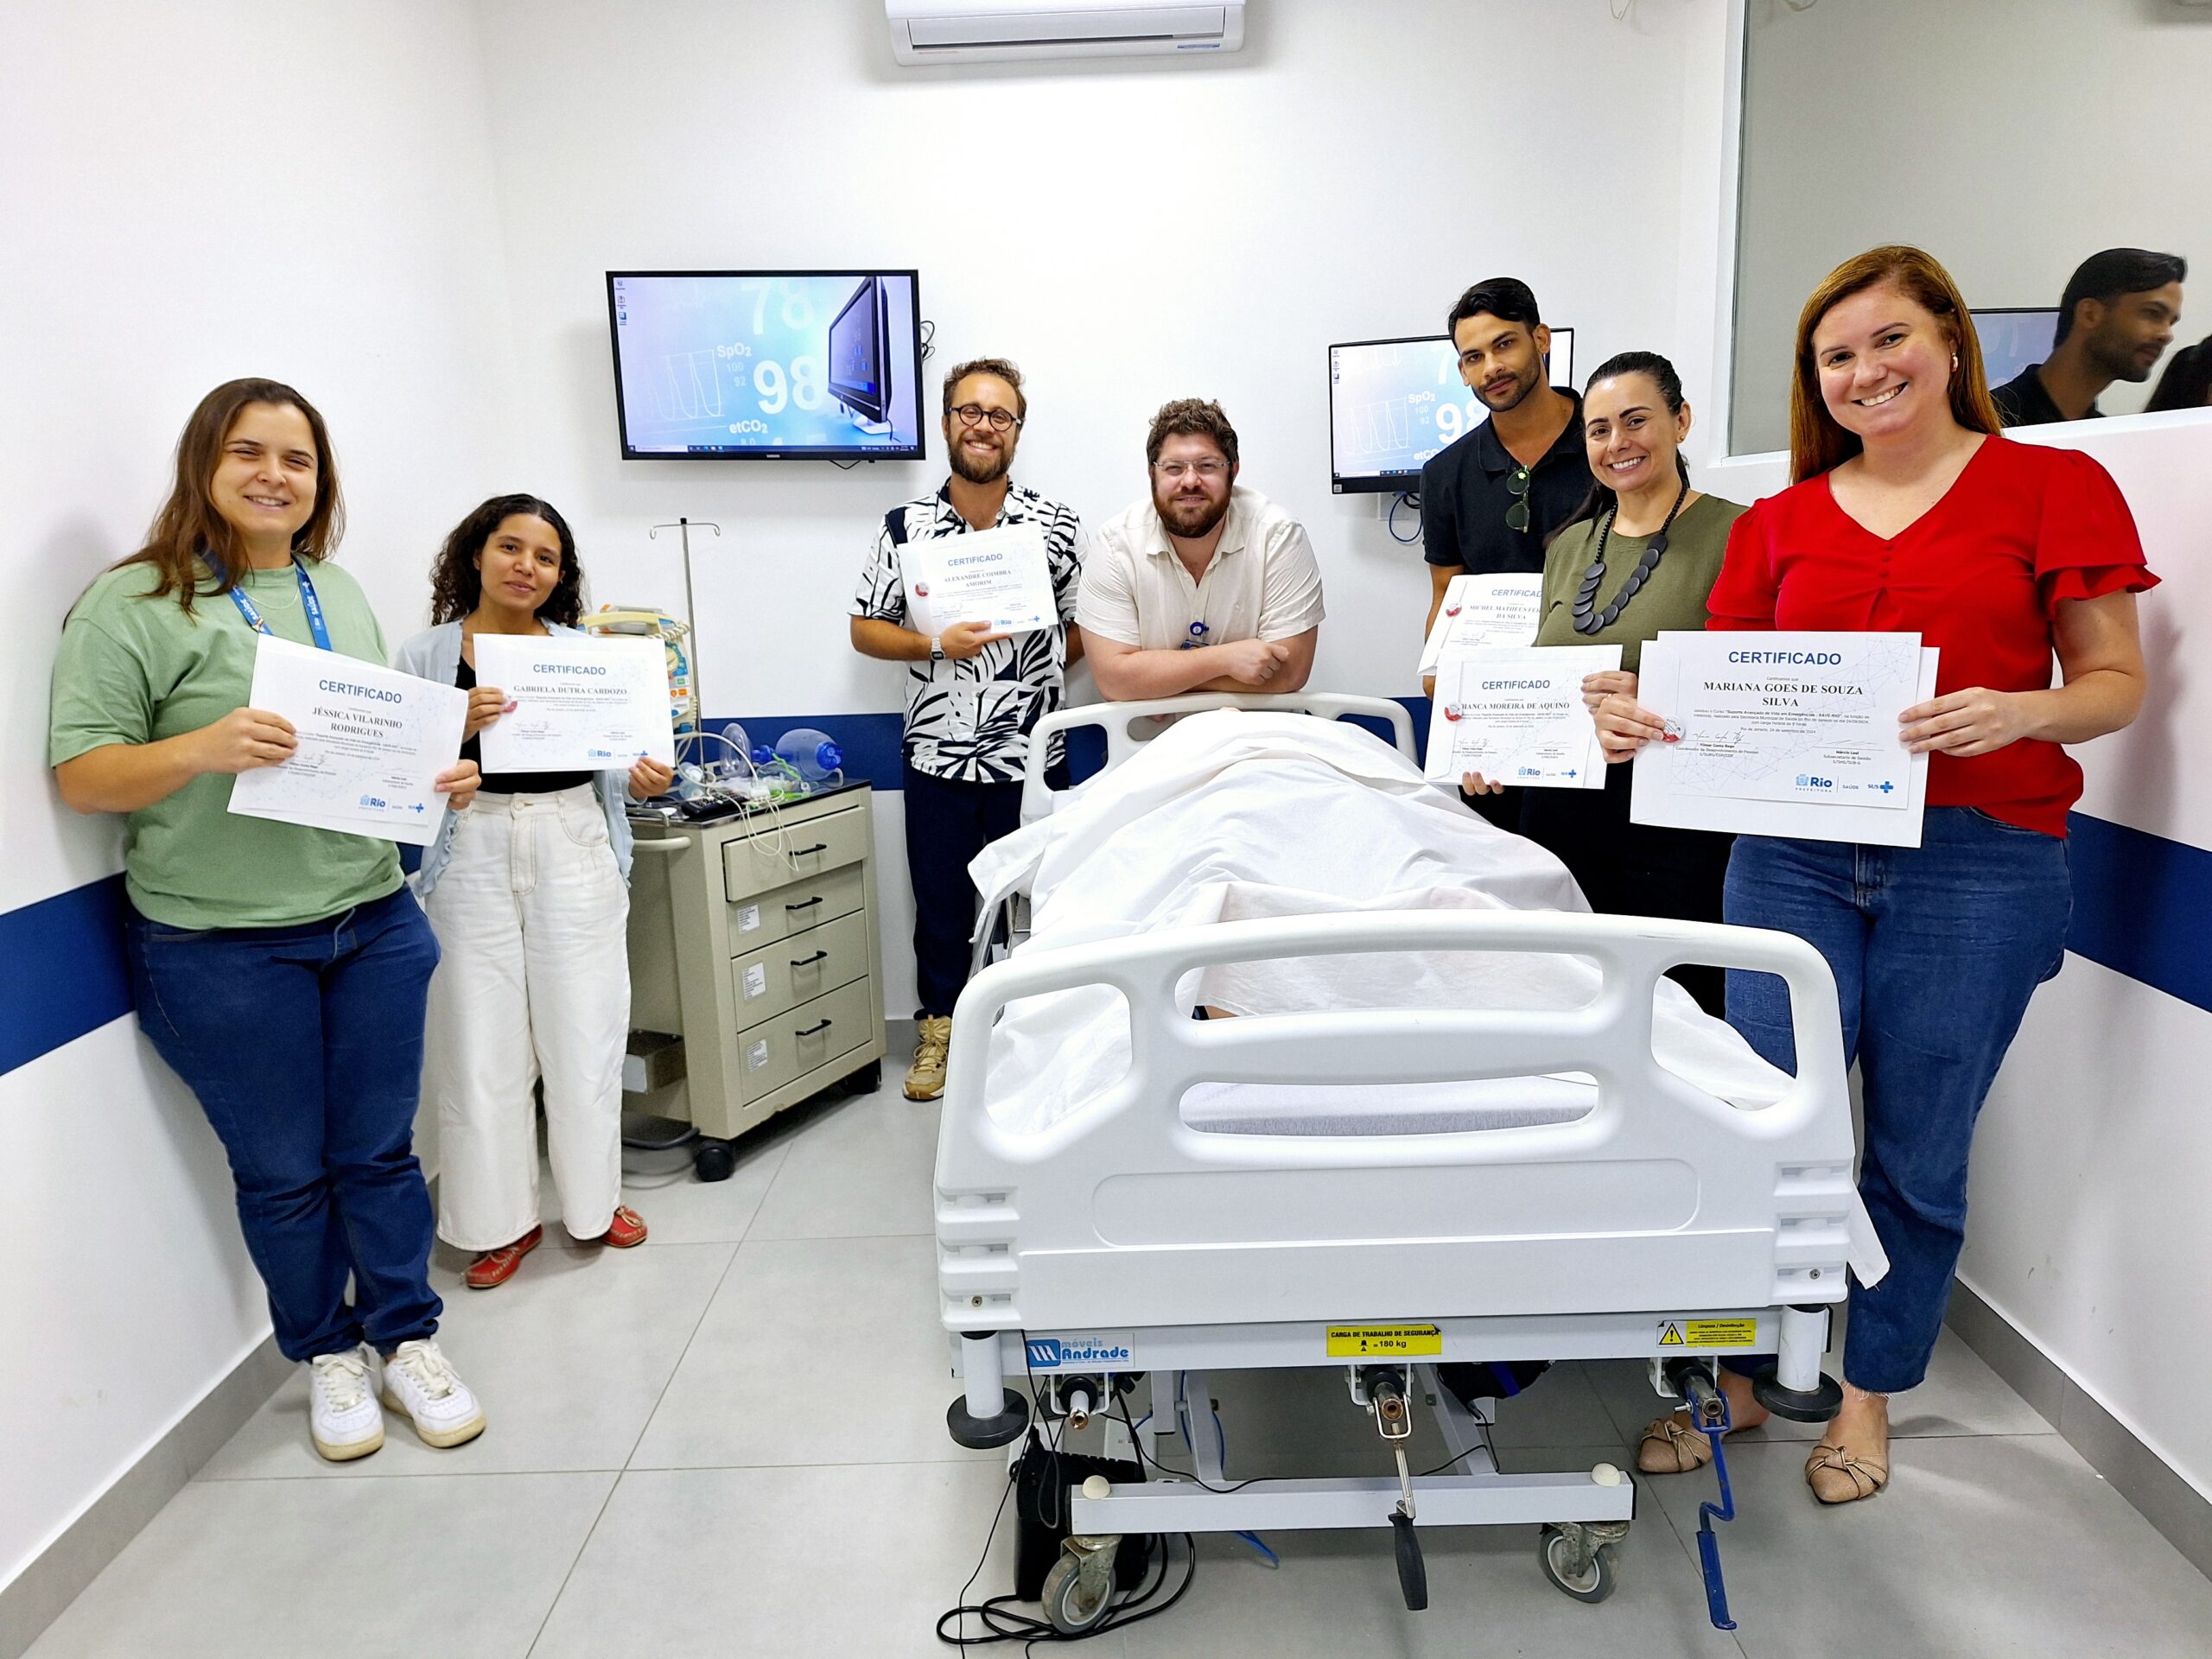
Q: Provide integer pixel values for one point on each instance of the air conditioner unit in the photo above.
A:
(988, 31)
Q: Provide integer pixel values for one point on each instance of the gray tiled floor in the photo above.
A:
(731, 1441)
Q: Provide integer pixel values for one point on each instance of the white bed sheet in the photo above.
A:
(1233, 814)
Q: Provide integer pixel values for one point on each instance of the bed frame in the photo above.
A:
(1666, 1224)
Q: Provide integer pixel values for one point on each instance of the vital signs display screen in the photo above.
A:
(1394, 403)
(750, 364)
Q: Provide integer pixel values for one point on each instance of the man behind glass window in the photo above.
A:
(1205, 585)
(2115, 321)
(973, 696)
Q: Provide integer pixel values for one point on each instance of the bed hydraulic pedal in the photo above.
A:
(989, 1413)
(1385, 1388)
(1709, 1412)
(1794, 1386)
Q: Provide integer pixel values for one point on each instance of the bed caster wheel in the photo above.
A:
(714, 1160)
(1576, 1563)
(1075, 1601)
(1813, 1405)
(987, 1433)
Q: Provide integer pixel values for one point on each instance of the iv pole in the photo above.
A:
(682, 527)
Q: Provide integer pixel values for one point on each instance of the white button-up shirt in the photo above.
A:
(1262, 583)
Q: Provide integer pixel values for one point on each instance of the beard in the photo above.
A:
(977, 471)
(2118, 359)
(1513, 396)
(1189, 517)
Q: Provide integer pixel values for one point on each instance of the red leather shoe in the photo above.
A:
(497, 1267)
(626, 1230)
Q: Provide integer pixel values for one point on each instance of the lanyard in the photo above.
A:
(308, 603)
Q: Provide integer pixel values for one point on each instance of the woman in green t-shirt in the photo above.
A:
(1639, 556)
(282, 971)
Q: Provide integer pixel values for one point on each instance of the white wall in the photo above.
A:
(2011, 138)
(1127, 232)
(194, 193)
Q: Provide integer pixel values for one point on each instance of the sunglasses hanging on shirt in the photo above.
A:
(1516, 485)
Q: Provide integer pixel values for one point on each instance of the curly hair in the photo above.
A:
(1191, 417)
(456, 585)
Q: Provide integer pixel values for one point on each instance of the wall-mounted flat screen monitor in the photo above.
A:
(1394, 403)
(2011, 340)
(767, 365)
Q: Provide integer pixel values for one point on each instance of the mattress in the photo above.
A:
(1386, 1108)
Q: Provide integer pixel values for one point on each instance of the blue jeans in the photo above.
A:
(1935, 950)
(304, 1044)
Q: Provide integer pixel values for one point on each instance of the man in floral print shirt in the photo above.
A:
(972, 697)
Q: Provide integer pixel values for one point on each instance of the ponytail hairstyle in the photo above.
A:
(187, 533)
(1601, 499)
(457, 586)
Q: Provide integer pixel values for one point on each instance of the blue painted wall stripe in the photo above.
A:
(2142, 906)
(61, 971)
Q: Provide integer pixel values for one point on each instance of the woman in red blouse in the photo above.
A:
(1910, 513)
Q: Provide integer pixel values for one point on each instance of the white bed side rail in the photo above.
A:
(1115, 719)
(1005, 1196)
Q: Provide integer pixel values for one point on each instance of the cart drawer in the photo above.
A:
(800, 968)
(757, 863)
(768, 917)
(782, 1050)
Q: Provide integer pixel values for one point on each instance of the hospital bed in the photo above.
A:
(1541, 1188)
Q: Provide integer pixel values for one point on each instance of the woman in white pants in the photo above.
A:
(528, 893)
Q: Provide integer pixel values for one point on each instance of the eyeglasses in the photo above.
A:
(975, 415)
(1174, 471)
(1517, 485)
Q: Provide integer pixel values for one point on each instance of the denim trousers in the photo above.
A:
(1935, 950)
(304, 1046)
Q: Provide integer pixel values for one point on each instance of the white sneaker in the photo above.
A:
(418, 1382)
(342, 1415)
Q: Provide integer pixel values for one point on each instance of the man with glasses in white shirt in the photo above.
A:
(973, 696)
(1204, 586)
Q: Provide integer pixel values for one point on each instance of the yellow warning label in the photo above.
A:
(1390, 1341)
(1708, 1333)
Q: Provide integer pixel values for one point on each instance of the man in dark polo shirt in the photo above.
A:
(2115, 321)
(1490, 499)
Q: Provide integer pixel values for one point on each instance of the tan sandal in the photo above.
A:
(1671, 1446)
(1839, 1477)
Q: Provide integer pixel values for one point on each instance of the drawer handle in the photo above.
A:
(818, 847)
(809, 961)
(813, 1031)
(809, 905)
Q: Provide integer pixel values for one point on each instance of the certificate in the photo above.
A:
(372, 742)
(1480, 612)
(580, 705)
(1000, 577)
(1788, 734)
(1516, 716)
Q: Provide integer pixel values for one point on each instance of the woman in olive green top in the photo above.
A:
(1640, 556)
(281, 971)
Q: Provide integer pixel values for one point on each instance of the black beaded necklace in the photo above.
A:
(1587, 618)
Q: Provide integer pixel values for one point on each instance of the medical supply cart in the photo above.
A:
(756, 976)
